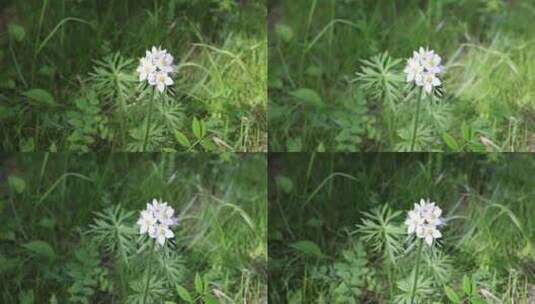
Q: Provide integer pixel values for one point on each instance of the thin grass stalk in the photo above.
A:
(415, 284)
(37, 36)
(146, 292)
(149, 118)
(415, 129)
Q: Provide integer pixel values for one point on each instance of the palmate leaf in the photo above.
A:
(380, 79)
(424, 290)
(113, 231)
(155, 294)
(380, 231)
(171, 266)
(155, 140)
(112, 77)
(424, 138)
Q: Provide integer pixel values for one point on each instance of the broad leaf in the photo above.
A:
(183, 294)
(308, 96)
(40, 96)
(16, 32)
(41, 248)
(307, 248)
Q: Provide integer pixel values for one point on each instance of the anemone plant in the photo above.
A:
(423, 70)
(423, 221)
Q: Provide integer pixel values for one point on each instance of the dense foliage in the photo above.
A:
(337, 232)
(336, 80)
(68, 230)
(69, 82)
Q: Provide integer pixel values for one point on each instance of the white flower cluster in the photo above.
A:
(423, 69)
(157, 220)
(424, 220)
(156, 67)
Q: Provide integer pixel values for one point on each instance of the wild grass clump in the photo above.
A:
(71, 230)
(316, 103)
(71, 82)
(342, 230)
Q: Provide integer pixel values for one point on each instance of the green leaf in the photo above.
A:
(284, 183)
(16, 183)
(450, 142)
(467, 285)
(477, 300)
(284, 32)
(208, 145)
(307, 248)
(27, 145)
(199, 288)
(40, 96)
(209, 299)
(465, 130)
(182, 139)
(294, 144)
(16, 32)
(183, 294)
(47, 222)
(452, 295)
(198, 128)
(41, 248)
(308, 96)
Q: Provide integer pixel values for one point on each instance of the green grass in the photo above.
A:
(83, 56)
(487, 47)
(319, 254)
(55, 199)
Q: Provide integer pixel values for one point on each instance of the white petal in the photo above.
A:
(161, 240)
(168, 81)
(428, 88)
(169, 233)
(429, 240)
(153, 231)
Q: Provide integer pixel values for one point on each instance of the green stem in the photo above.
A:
(415, 129)
(146, 292)
(43, 168)
(123, 117)
(148, 122)
(413, 293)
(37, 41)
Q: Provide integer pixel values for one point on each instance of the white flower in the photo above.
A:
(429, 233)
(413, 69)
(160, 233)
(156, 220)
(146, 222)
(429, 81)
(414, 222)
(161, 80)
(145, 69)
(423, 69)
(156, 67)
(164, 62)
(424, 221)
